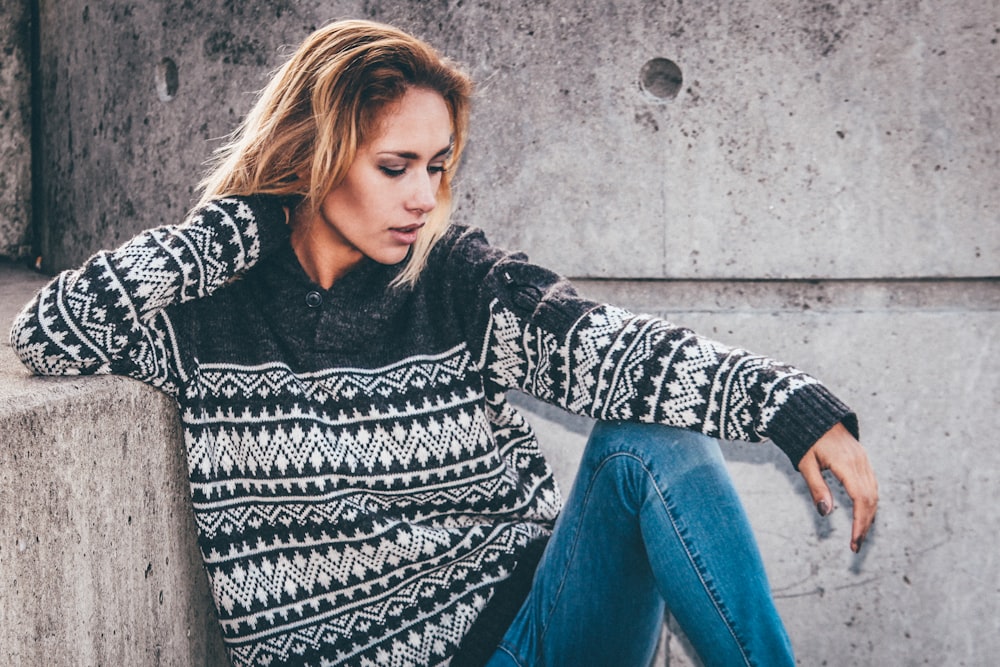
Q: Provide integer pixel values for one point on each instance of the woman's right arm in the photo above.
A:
(108, 315)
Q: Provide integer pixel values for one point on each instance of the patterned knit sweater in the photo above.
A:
(363, 491)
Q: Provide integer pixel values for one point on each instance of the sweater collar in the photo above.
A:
(367, 277)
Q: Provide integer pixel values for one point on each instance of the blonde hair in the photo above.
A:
(304, 131)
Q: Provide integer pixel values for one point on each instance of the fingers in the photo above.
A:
(812, 473)
(855, 473)
(844, 456)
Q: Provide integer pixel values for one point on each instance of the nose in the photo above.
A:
(423, 198)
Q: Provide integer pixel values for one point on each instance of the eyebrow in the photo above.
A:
(410, 155)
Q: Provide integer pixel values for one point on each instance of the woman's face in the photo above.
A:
(383, 202)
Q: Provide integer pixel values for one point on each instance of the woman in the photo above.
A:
(340, 356)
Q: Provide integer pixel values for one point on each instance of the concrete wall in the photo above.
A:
(821, 188)
(15, 129)
(862, 132)
(808, 140)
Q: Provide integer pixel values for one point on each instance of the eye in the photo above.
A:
(437, 168)
(392, 173)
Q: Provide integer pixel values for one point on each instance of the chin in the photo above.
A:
(392, 258)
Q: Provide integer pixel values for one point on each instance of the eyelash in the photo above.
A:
(395, 173)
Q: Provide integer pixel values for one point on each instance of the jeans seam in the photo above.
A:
(510, 654)
(694, 564)
(576, 533)
(692, 560)
(569, 559)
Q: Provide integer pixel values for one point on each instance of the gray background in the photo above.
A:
(823, 189)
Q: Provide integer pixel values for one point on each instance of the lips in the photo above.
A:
(406, 235)
(408, 229)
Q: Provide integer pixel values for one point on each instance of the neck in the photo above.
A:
(323, 260)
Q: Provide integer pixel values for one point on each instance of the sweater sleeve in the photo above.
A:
(109, 316)
(534, 333)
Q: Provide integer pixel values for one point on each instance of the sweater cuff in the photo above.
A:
(805, 417)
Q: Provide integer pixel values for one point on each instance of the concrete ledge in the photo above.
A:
(97, 541)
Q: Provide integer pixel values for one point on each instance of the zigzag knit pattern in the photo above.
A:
(360, 484)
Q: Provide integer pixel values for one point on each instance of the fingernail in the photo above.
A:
(823, 508)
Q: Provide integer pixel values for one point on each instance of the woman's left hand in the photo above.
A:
(839, 452)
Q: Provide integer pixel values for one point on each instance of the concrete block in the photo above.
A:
(843, 140)
(839, 140)
(97, 539)
(15, 130)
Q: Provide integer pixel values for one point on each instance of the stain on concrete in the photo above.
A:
(647, 121)
(235, 50)
(825, 27)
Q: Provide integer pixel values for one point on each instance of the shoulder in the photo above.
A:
(467, 247)
(463, 254)
(472, 267)
(462, 243)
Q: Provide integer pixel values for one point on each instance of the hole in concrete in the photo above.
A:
(661, 78)
(167, 80)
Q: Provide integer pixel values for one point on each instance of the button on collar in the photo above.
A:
(314, 299)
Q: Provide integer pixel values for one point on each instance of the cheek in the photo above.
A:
(365, 196)
(341, 206)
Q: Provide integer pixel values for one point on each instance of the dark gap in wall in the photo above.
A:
(36, 127)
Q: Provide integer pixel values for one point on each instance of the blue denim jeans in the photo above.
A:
(652, 519)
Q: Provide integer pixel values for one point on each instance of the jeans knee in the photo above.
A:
(659, 445)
